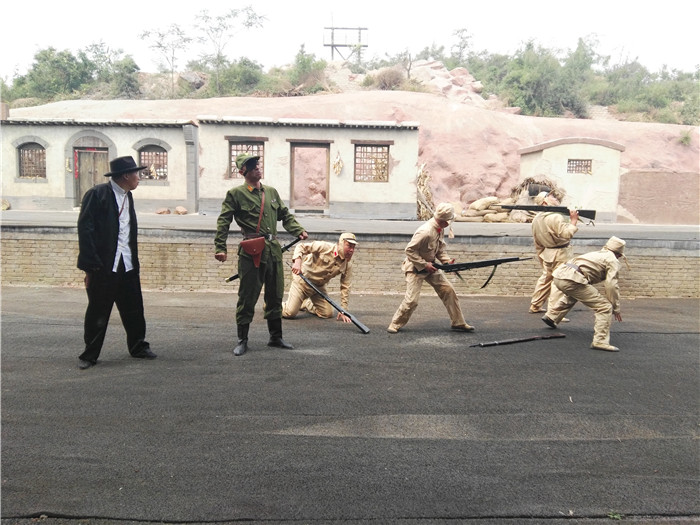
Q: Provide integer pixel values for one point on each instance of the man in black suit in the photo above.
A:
(108, 255)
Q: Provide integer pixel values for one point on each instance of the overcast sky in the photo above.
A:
(625, 30)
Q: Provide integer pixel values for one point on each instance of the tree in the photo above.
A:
(432, 53)
(168, 43)
(238, 78)
(307, 71)
(125, 80)
(54, 73)
(218, 31)
(104, 59)
(460, 50)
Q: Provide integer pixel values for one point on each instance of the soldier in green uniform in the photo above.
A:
(243, 203)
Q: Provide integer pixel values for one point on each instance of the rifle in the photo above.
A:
(458, 267)
(284, 249)
(335, 305)
(519, 340)
(588, 214)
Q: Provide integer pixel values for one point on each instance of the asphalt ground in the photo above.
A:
(417, 427)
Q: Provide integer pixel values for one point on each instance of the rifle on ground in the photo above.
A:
(284, 249)
(335, 305)
(458, 267)
(588, 214)
(519, 340)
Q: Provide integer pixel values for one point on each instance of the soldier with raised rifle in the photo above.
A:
(552, 234)
(427, 246)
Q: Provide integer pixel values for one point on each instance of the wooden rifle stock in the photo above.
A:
(284, 249)
(335, 305)
(587, 214)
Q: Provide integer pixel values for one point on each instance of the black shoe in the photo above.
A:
(549, 322)
(278, 342)
(145, 354)
(84, 364)
(241, 348)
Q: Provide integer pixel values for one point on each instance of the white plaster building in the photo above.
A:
(337, 168)
(588, 169)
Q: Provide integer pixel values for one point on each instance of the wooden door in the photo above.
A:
(90, 166)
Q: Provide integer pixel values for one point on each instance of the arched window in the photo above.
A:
(32, 161)
(156, 160)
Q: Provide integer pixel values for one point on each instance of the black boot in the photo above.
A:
(274, 326)
(242, 346)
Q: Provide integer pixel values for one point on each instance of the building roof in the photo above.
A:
(571, 140)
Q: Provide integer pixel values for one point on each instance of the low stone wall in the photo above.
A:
(183, 261)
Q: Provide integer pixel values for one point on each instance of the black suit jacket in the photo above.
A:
(98, 229)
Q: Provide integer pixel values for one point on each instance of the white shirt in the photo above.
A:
(123, 248)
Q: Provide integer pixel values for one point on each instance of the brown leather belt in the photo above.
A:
(268, 236)
(562, 246)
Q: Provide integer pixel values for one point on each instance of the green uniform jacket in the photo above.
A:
(242, 203)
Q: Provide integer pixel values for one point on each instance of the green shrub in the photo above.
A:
(686, 137)
(368, 81)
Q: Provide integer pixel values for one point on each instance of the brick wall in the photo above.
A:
(184, 261)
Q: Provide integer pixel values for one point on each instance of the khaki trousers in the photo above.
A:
(298, 292)
(565, 294)
(543, 286)
(445, 291)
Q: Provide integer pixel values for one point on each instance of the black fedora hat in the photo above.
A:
(123, 165)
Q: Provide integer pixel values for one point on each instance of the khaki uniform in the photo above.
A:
(426, 245)
(552, 233)
(321, 262)
(573, 282)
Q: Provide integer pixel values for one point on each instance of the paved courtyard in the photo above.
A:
(417, 427)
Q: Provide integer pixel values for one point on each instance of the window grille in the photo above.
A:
(32, 161)
(580, 166)
(371, 163)
(155, 159)
(251, 148)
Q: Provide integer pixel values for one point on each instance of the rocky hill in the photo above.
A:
(468, 145)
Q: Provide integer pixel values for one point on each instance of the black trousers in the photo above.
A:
(106, 289)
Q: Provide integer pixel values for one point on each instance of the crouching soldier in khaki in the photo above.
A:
(573, 282)
(320, 261)
(425, 247)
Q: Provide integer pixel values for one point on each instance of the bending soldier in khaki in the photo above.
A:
(552, 234)
(320, 261)
(426, 246)
(573, 282)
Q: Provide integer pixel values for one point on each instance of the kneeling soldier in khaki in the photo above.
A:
(320, 261)
(573, 282)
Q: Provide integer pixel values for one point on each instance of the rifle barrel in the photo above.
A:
(458, 267)
(519, 340)
(588, 214)
(363, 328)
